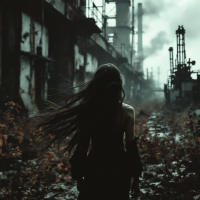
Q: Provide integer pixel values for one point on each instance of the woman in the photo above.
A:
(97, 112)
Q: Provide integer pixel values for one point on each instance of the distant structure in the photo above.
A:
(158, 83)
(181, 88)
(44, 43)
(119, 37)
(147, 76)
(140, 41)
(121, 32)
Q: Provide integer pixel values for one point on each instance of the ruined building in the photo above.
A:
(181, 88)
(45, 43)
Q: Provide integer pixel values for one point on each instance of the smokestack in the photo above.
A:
(123, 26)
(171, 60)
(147, 74)
(140, 42)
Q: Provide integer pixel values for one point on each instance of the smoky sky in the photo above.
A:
(153, 8)
(161, 19)
(155, 45)
(188, 16)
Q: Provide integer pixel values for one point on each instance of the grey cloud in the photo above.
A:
(155, 7)
(156, 44)
(189, 17)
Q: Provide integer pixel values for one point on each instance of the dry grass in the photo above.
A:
(179, 161)
(33, 179)
(17, 153)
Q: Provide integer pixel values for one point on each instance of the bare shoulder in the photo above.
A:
(127, 109)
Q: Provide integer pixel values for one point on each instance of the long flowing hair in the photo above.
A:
(91, 111)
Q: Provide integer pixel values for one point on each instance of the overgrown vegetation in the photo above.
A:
(33, 172)
(172, 162)
(171, 166)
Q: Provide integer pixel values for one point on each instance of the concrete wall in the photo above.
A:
(32, 86)
(79, 58)
(44, 35)
(79, 68)
(25, 42)
(25, 75)
(26, 86)
(25, 45)
(91, 64)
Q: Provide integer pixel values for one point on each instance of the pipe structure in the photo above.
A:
(151, 73)
(171, 60)
(140, 32)
(181, 53)
(147, 73)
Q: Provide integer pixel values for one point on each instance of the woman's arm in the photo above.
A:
(78, 160)
(135, 166)
(130, 125)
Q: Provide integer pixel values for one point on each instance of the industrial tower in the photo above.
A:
(124, 29)
(181, 87)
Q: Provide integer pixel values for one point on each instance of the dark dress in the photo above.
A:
(105, 170)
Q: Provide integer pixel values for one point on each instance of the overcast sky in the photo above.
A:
(160, 21)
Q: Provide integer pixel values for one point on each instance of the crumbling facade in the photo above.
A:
(44, 44)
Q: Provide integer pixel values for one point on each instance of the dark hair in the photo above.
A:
(90, 111)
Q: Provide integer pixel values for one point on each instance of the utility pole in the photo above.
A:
(158, 76)
(152, 73)
(147, 73)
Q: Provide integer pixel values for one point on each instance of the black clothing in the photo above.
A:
(135, 164)
(107, 170)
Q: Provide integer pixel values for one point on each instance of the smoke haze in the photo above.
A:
(156, 44)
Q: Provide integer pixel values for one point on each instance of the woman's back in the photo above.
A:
(107, 163)
(124, 122)
(121, 122)
(92, 113)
